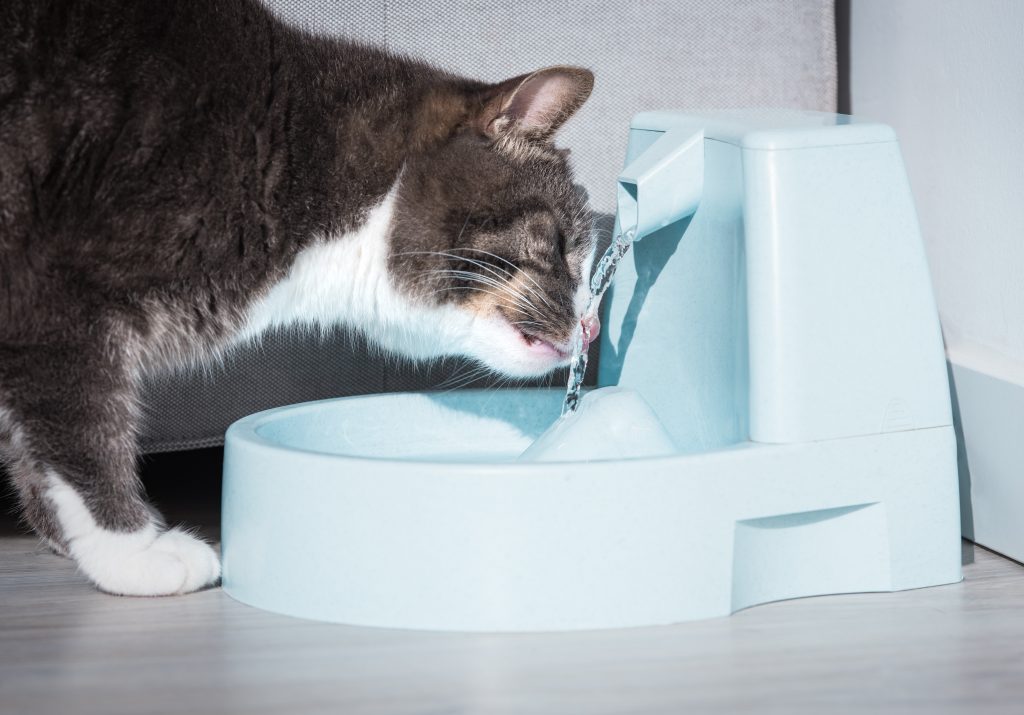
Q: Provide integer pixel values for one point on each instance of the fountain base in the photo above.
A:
(411, 511)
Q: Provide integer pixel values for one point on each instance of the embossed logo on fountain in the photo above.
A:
(898, 416)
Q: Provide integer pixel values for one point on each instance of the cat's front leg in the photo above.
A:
(67, 423)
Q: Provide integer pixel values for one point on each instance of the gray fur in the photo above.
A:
(162, 164)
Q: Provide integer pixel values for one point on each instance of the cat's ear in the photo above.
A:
(536, 104)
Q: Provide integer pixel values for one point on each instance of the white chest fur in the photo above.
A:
(344, 280)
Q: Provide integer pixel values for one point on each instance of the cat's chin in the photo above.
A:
(507, 350)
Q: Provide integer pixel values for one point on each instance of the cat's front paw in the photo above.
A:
(201, 563)
(171, 563)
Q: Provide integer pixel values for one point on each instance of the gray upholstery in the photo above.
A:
(646, 55)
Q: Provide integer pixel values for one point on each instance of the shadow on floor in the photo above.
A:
(184, 486)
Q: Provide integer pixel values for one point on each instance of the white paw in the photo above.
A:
(202, 565)
(149, 564)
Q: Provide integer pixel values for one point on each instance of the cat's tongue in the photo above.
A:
(591, 328)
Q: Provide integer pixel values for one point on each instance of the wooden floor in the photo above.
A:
(66, 649)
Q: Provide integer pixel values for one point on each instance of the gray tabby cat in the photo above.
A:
(176, 177)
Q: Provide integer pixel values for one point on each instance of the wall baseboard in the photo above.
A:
(988, 413)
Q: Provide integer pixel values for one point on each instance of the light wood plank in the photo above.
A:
(67, 649)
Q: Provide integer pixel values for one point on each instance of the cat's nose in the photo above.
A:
(593, 327)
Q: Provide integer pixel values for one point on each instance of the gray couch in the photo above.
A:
(646, 55)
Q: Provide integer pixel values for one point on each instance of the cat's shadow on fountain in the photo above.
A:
(650, 257)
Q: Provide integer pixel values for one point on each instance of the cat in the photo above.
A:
(177, 177)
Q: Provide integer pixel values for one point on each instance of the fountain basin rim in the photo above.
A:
(248, 431)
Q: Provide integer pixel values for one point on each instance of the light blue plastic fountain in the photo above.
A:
(776, 317)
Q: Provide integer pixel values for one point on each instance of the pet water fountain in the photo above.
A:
(775, 421)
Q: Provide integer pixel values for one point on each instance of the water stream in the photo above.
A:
(598, 285)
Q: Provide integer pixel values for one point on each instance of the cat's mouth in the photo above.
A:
(544, 347)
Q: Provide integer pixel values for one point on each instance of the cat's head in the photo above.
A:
(490, 225)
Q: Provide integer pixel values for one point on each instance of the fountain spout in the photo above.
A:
(664, 184)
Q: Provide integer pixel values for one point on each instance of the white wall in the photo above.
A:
(948, 75)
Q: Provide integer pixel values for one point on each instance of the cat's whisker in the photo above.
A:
(505, 286)
(490, 267)
(505, 260)
(503, 275)
(486, 280)
(443, 254)
(465, 223)
(480, 290)
(532, 290)
(579, 212)
(503, 384)
(462, 377)
(474, 278)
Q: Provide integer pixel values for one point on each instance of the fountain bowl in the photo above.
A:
(412, 511)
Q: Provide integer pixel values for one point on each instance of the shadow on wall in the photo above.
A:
(842, 14)
(963, 468)
(650, 257)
